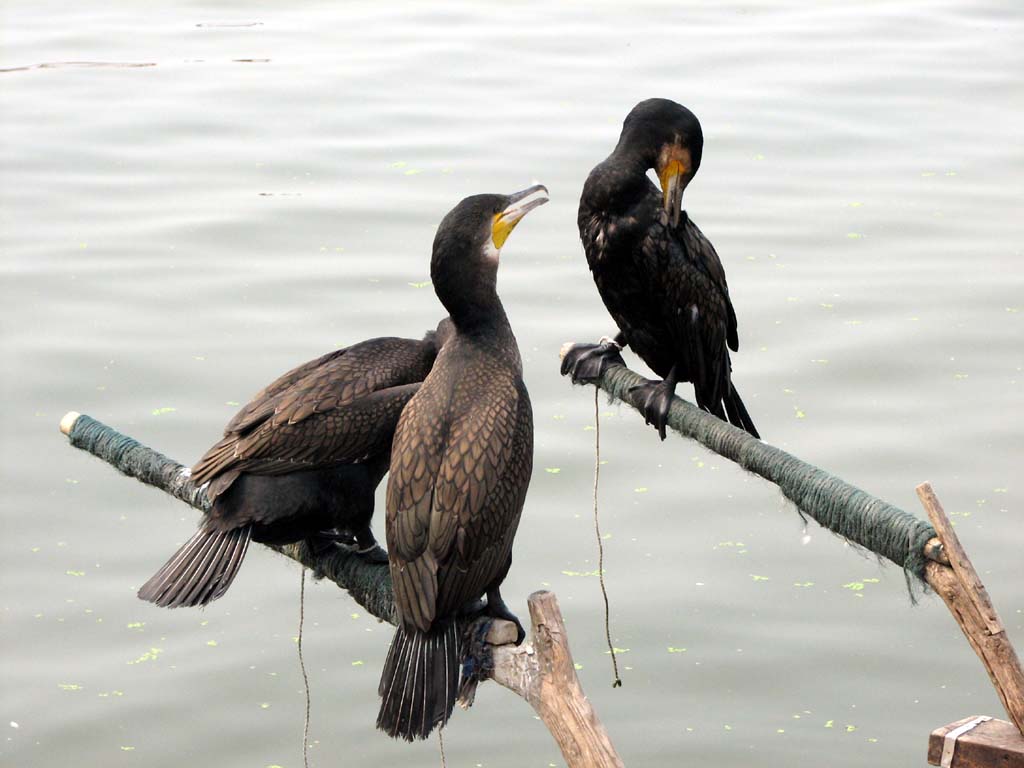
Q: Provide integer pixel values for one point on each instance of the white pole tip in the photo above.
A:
(69, 421)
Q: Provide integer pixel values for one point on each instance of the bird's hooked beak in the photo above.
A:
(675, 170)
(519, 204)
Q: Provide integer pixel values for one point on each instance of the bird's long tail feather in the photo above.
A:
(199, 572)
(420, 681)
(738, 415)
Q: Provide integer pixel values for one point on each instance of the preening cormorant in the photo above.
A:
(659, 277)
(303, 457)
(460, 468)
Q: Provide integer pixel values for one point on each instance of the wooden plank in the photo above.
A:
(992, 744)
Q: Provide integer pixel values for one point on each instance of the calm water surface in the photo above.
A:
(176, 235)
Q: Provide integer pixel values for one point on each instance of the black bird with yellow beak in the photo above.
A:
(658, 275)
(460, 467)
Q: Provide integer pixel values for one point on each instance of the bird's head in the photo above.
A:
(467, 247)
(668, 137)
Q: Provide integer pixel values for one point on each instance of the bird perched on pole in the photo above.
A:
(460, 467)
(658, 275)
(299, 462)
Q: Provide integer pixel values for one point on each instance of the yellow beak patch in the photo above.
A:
(501, 228)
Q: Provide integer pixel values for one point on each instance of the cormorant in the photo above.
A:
(659, 277)
(460, 467)
(301, 458)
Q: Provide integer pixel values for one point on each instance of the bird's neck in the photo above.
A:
(471, 298)
(623, 176)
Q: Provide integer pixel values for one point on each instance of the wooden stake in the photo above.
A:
(961, 589)
(543, 673)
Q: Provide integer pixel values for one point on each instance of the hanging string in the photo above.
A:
(302, 666)
(440, 741)
(600, 544)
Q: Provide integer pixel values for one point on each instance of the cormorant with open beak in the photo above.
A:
(299, 462)
(658, 275)
(460, 468)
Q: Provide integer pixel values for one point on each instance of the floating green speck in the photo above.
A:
(212, 643)
(151, 655)
(552, 470)
(424, 284)
(232, 403)
(162, 411)
(577, 666)
(69, 686)
(580, 573)
(830, 724)
(672, 649)
(851, 728)
(125, 748)
(357, 663)
(75, 573)
(265, 705)
(755, 577)
(641, 489)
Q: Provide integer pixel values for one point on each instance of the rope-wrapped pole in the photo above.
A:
(844, 509)
(541, 672)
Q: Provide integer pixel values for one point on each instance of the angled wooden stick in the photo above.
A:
(961, 589)
(543, 673)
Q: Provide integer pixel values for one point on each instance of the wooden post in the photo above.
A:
(961, 589)
(543, 673)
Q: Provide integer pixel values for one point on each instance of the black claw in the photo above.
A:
(323, 541)
(585, 363)
(657, 399)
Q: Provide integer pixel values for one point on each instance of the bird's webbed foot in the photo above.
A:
(497, 609)
(656, 399)
(585, 363)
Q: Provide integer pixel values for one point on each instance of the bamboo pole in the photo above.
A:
(960, 587)
(540, 671)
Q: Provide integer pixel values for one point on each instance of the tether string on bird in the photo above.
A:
(600, 544)
(302, 666)
(440, 741)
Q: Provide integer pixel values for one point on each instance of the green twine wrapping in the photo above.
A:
(834, 504)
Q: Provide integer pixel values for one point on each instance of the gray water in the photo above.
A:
(178, 234)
